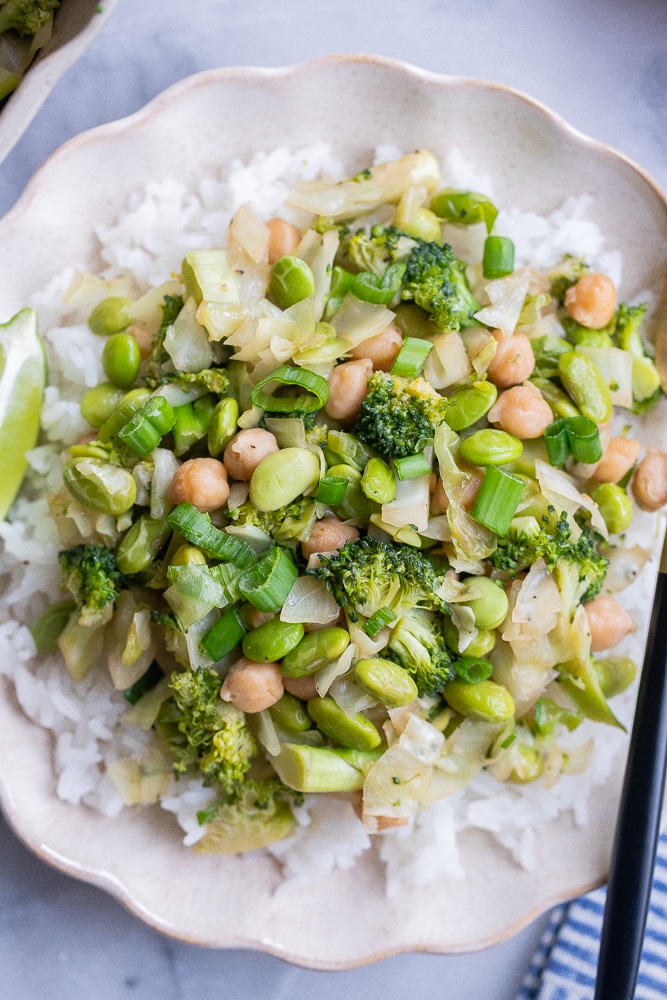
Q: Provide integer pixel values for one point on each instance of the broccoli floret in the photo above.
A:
(171, 307)
(260, 814)
(399, 417)
(375, 251)
(646, 388)
(204, 733)
(436, 280)
(293, 522)
(519, 550)
(368, 574)
(417, 642)
(565, 274)
(27, 17)
(629, 320)
(91, 574)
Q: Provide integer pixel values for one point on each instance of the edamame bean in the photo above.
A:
(100, 485)
(490, 447)
(386, 681)
(469, 405)
(487, 700)
(141, 544)
(272, 640)
(291, 281)
(110, 316)
(482, 644)
(290, 714)
(223, 425)
(378, 482)
(584, 383)
(314, 650)
(282, 477)
(559, 401)
(487, 600)
(188, 555)
(615, 506)
(100, 402)
(131, 402)
(615, 674)
(358, 732)
(121, 359)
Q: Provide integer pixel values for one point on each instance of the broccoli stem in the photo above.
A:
(323, 769)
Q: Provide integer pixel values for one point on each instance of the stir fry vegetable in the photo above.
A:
(350, 530)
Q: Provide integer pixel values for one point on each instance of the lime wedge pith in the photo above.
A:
(22, 381)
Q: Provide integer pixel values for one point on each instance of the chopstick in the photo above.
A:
(638, 824)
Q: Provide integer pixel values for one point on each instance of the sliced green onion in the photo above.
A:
(46, 630)
(267, 584)
(147, 426)
(145, 683)
(377, 621)
(577, 436)
(498, 260)
(497, 499)
(224, 635)
(191, 422)
(369, 288)
(412, 466)
(198, 530)
(464, 208)
(315, 395)
(331, 490)
(411, 358)
(341, 283)
(473, 669)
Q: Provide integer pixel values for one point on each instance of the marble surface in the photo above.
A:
(602, 64)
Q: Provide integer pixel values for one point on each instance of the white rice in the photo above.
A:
(149, 239)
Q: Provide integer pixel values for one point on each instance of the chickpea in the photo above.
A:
(284, 238)
(327, 536)
(348, 385)
(649, 486)
(592, 301)
(301, 687)
(439, 501)
(246, 450)
(618, 458)
(380, 349)
(144, 340)
(389, 822)
(514, 360)
(470, 488)
(521, 411)
(201, 482)
(608, 622)
(258, 618)
(252, 686)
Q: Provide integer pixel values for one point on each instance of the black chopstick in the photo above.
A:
(638, 824)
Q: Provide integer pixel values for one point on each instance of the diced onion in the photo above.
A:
(309, 602)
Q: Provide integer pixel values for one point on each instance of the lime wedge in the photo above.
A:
(22, 381)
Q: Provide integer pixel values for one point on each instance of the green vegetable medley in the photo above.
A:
(25, 27)
(347, 513)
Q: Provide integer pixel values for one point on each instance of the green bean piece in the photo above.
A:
(615, 674)
(378, 482)
(357, 733)
(469, 405)
(110, 316)
(314, 650)
(283, 476)
(141, 544)
(487, 600)
(529, 766)
(131, 402)
(584, 383)
(290, 715)
(100, 402)
(291, 281)
(498, 259)
(615, 506)
(223, 425)
(490, 447)
(386, 681)
(271, 641)
(121, 359)
(487, 700)
(559, 401)
(482, 644)
(100, 485)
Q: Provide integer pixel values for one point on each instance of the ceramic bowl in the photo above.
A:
(76, 24)
(354, 102)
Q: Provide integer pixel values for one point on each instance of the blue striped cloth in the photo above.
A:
(564, 965)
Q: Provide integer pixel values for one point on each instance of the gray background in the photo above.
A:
(602, 64)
